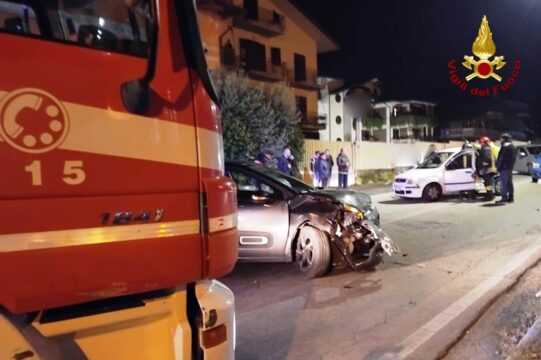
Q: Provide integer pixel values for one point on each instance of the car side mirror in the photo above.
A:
(261, 197)
(136, 94)
(522, 154)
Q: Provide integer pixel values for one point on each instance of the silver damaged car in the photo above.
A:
(282, 219)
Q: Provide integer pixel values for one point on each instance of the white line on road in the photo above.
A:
(431, 328)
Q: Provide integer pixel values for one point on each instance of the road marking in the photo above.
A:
(413, 342)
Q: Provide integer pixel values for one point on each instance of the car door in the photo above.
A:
(459, 173)
(263, 217)
(523, 158)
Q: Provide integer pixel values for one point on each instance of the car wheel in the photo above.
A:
(432, 192)
(498, 186)
(313, 252)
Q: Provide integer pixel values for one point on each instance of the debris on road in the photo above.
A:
(422, 266)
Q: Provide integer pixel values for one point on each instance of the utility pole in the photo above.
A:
(388, 122)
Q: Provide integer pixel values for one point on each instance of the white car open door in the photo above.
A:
(459, 172)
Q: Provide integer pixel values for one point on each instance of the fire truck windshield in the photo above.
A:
(111, 25)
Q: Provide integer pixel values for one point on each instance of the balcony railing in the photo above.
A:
(312, 121)
(264, 22)
(305, 80)
(258, 70)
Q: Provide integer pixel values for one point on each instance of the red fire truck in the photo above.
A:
(114, 211)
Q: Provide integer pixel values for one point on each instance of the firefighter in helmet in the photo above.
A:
(486, 165)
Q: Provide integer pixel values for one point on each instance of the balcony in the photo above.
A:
(225, 8)
(306, 80)
(263, 22)
(311, 122)
(255, 68)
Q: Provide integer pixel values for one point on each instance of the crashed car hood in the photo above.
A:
(357, 199)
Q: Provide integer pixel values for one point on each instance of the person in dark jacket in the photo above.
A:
(504, 164)
(343, 168)
(313, 164)
(330, 161)
(323, 170)
(486, 166)
(263, 157)
(285, 162)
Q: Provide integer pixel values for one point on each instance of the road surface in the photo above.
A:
(456, 256)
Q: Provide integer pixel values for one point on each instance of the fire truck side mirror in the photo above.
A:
(136, 94)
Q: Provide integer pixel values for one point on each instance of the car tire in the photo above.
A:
(497, 186)
(432, 192)
(313, 252)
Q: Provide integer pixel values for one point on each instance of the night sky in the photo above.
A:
(408, 44)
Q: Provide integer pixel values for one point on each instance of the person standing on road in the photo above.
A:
(343, 168)
(313, 163)
(330, 161)
(285, 162)
(323, 170)
(486, 166)
(504, 164)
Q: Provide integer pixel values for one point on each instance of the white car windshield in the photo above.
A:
(435, 160)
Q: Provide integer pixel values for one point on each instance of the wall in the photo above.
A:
(329, 106)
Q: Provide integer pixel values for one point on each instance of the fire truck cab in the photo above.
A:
(115, 214)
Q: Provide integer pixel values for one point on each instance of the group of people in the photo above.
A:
(285, 162)
(321, 165)
(491, 160)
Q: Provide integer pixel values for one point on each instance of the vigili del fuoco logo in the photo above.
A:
(484, 65)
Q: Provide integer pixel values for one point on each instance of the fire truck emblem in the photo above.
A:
(33, 121)
(484, 48)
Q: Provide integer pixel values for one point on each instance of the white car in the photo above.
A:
(445, 172)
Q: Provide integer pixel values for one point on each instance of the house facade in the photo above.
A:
(270, 41)
(410, 120)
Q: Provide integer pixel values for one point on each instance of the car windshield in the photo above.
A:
(435, 160)
(286, 180)
(535, 150)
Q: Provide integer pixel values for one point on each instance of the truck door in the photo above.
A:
(459, 173)
(99, 200)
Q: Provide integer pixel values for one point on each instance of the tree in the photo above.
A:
(257, 117)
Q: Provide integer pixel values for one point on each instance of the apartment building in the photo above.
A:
(271, 41)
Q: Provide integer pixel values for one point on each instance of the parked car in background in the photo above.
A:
(526, 158)
(282, 219)
(444, 172)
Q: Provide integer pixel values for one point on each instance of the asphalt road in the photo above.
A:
(448, 249)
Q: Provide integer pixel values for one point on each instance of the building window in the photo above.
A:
(300, 67)
(338, 98)
(396, 134)
(338, 120)
(302, 107)
(276, 56)
(252, 55)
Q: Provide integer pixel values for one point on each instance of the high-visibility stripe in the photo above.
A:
(107, 132)
(99, 235)
(223, 222)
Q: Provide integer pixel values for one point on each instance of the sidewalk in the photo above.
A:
(508, 329)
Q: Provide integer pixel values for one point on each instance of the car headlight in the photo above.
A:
(352, 209)
(536, 165)
(411, 182)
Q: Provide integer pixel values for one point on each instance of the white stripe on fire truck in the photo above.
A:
(223, 222)
(107, 132)
(98, 235)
